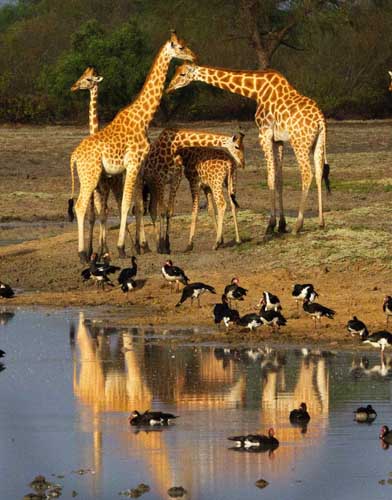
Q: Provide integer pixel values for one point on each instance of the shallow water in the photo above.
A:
(69, 385)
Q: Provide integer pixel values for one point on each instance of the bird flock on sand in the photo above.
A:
(269, 307)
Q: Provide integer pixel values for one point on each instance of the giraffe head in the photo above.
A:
(183, 76)
(390, 83)
(87, 81)
(235, 147)
(176, 48)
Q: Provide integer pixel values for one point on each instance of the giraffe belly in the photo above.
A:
(112, 167)
(281, 135)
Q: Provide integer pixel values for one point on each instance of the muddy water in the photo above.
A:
(68, 386)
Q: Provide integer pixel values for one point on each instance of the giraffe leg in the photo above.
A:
(266, 143)
(174, 185)
(221, 208)
(195, 209)
(89, 172)
(141, 244)
(102, 209)
(132, 170)
(80, 210)
(234, 213)
(211, 207)
(318, 156)
(232, 188)
(91, 220)
(302, 154)
(162, 209)
(116, 185)
(278, 153)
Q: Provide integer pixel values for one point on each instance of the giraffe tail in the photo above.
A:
(326, 178)
(326, 168)
(71, 214)
(231, 185)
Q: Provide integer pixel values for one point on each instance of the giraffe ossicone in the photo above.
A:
(123, 145)
(282, 114)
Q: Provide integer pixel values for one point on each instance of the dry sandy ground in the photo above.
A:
(348, 262)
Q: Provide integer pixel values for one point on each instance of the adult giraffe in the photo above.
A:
(99, 201)
(282, 115)
(123, 145)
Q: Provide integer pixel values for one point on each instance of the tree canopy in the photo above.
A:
(335, 51)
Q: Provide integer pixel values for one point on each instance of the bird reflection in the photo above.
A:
(360, 367)
(5, 317)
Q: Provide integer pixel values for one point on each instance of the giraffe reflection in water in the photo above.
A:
(122, 371)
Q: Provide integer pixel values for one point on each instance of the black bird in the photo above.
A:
(126, 277)
(6, 291)
(151, 418)
(365, 414)
(222, 312)
(387, 307)
(381, 339)
(386, 434)
(256, 440)
(302, 292)
(251, 321)
(270, 302)
(317, 311)
(106, 266)
(234, 291)
(272, 318)
(2, 353)
(99, 272)
(357, 327)
(174, 274)
(299, 415)
(193, 291)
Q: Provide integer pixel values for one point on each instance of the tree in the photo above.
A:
(269, 24)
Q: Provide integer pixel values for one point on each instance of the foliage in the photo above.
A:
(335, 51)
(122, 57)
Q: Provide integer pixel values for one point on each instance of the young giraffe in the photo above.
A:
(282, 115)
(210, 169)
(164, 167)
(123, 145)
(90, 81)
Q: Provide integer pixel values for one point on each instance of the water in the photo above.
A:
(68, 387)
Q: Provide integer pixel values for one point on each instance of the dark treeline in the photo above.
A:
(335, 51)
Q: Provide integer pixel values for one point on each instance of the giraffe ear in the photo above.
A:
(99, 79)
(390, 73)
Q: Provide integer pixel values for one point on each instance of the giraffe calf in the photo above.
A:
(210, 169)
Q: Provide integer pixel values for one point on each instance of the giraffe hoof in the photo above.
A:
(282, 228)
(145, 248)
(83, 257)
(189, 248)
(121, 253)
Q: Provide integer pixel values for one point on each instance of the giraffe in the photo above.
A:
(282, 115)
(90, 81)
(163, 167)
(210, 169)
(122, 145)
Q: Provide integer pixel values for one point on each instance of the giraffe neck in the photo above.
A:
(93, 110)
(247, 83)
(146, 103)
